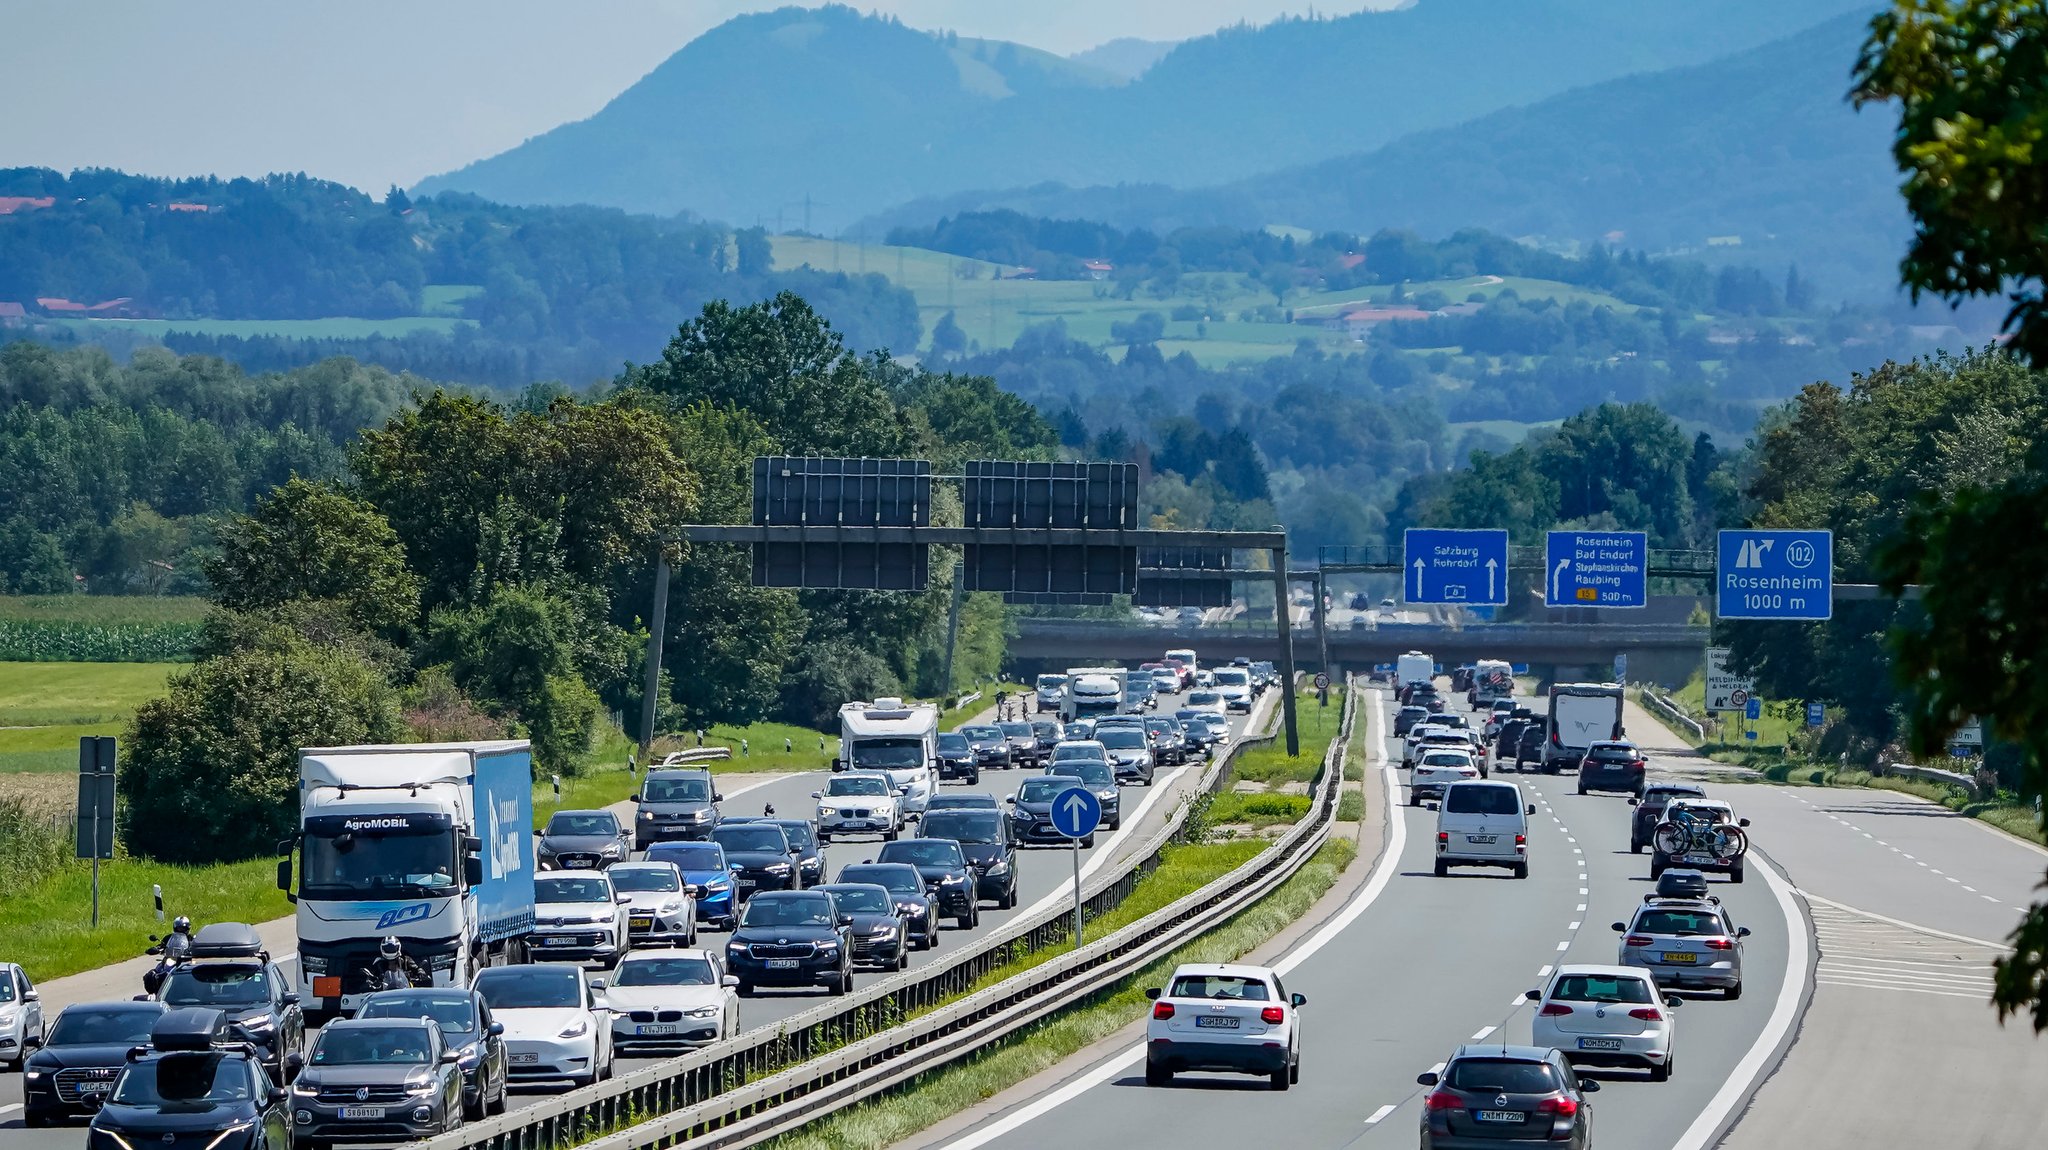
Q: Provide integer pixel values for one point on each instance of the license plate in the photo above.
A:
(654, 1030)
(1680, 956)
(643, 923)
(528, 1059)
(782, 964)
(362, 1112)
(744, 883)
(558, 942)
(1482, 838)
(95, 1087)
(1212, 1023)
(1498, 1115)
(1599, 1044)
(576, 866)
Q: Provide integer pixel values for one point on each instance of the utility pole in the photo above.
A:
(1283, 615)
(953, 620)
(657, 618)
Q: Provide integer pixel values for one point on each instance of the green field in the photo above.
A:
(104, 610)
(45, 707)
(331, 327)
(446, 299)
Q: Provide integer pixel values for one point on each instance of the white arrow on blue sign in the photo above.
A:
(1755, 710)
(1596, 569)
(1775, 575)
(1442, 565)
(1076, 812)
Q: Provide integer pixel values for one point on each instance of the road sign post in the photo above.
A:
(1725, 691)
(1076, 812)
(1323, 687)
(94, 834)
(1455, 566)
(1596, 569)
(1767, 574)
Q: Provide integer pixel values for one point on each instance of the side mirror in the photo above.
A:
(622, 899)
(1010, 798)
(278, 1094)
(1673, 1001)
(729, 982)
(716, 797)
(473, 870)
(1742, 932)
(154, 938)
(597, 985)
(1152, 994)
(1530, 809)
(817, 794)
(35, 996)
(1429, 806)
(1427, 1078)
(293, 1063)
(1533, 995)
(845, 920)
(1620, 927)
(1741, 822)
(796, 852)
(284, 879)
(1588, 1086)
(635, 797)
(904, 789)
(1635, 802)
(1298, 999)
(450, 1058)
(497, 1028)
(290, 998)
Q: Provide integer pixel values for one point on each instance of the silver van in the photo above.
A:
(1483, 823)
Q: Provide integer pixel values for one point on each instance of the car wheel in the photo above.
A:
(1010, 897)
(744, 990)
(1656, 867)
(823, 838)
(1522, 870)
(1157, 1075)
(1661, 1073)
(498, 1104)
(1088, 841)
(1443, 869)
(903, 954)
(36, 1120)
(1414, 800)
(974, 780)
(1734, 992)
(1735, 874)
(1582, 788)
(474, 1113)
(1294, 1073)
(893, 834)
(1635, 846)
(1117, 823)
(1279, 1079)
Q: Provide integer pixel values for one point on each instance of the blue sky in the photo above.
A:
(376, 92)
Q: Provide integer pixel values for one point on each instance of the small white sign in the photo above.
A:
(1970, 734)
(1725, 691)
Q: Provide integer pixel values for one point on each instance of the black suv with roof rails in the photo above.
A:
(230, 972)
(194, 1085)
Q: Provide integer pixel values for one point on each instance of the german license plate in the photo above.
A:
(1498, 1115)
(1599, 1044)
(95, 1087)
(362, 1112)
(526, 1059)
(558, 942)
(576, 865)
(643, 924)
(1215, 1023)
(1680, 956)
(1482, 839)
(654, 1029)
(743, 883)
(782, 964)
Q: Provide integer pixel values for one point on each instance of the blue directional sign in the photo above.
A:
(1076, 812)
(1755, 710)
(1775, 575)
(1816, 715)
(1448, 566)
(1596, 569)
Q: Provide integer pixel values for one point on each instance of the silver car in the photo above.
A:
(1685, 943)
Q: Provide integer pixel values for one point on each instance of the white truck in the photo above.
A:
(897, 738)
(1091, 693)
(1413, 667)
(1491, 679)
(1581, 714)
(429, 843)
(1189, 666)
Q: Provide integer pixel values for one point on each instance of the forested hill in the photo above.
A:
(859, 113)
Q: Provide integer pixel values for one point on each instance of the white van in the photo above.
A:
(1483, 823)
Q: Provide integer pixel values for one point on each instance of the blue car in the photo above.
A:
(708, 877)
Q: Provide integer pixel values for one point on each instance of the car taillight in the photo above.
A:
(1636, 940)
(1162, 1010)
(1444, 1100)
(1647, 1014)
(1554, 1010)
(1273, 1015)
(1521, 840)
(1564, 1107)
(1720, 944)
(1443, 836)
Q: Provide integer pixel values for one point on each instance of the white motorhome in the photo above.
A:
(1413, 667)
(1491, 679)
(897, 738)
(1581, 714)
(1092, 692)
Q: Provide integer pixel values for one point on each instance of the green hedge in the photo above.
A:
(52, 641)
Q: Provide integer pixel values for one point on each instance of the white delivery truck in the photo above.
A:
(1491, 679)
(1092, 692)
(430, 843)
(1413, 667)
(1189, 667)
(898, 738)
(1581, 714)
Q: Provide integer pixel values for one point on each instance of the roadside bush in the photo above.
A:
(828, 674)
(437, 711)
(33, 844)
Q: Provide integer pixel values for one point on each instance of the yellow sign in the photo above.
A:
(1589, 594)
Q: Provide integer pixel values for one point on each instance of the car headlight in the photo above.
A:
(717, 885)
(32, 1075)
(777, 868)
(305, 1089)
(643, 815)
(701, 1012)
(576, 1029)
(952, 879)
(670, 908)
(614, 850)
(883, 931)
(237, 1128)
(997, 866)
(421, 1089)
(468, 1055)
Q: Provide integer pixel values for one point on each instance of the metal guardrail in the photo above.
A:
(1932, 775)
(727, 1075)
(1670, 710)
(964, 700)
(693, 755)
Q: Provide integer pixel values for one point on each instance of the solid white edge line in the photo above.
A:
(10, 1108)
(1114, 1064)
(1749, 1073)
(1898, 922)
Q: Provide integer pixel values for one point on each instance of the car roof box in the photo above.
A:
(227, 940)
(189, 1028)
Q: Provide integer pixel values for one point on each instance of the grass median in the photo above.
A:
(943, 1093)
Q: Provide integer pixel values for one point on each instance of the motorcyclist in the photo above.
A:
(394, 971)
(172, 949)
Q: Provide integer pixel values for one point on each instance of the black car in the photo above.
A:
(675, 804)
(1025, 750)
(193, 1085)
(956, 758)
(1649, 810)
(1102, 779)
(378, 1079)
(1169, 742)
(918, 908)
(467, 1028)
(881, 936)
(582, 840)
(791, 938)
(1613, 767)
(984, 837)
(1406, 718)
(80, 1058)
(253, 995)
(963, 801)
(1509, 736)
(943, 866)
(1049, 731)
(803, 842)
(760, 855)
(1530, 747)
(1031, 810)
(1197, 733)
(1499, 1095)
(991, 747)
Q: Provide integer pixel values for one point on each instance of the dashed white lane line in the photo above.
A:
(1379, 1114)
(1971, 889)
(1582, 908)
(1544, 972)
(1481, 1035)
(1574, 925)
(1564, 946)
(1582, 890)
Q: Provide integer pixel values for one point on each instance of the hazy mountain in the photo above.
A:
(861, 113)
(1127, 57)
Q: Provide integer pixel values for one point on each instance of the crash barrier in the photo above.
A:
(735, 1085)
(694, 755)
(1932, 775)
(1669, 710)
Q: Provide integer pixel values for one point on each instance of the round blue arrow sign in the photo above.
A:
(1076, 812)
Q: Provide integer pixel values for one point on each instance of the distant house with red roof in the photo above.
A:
(12, 314)
(11, 205)
(1359, 321)
(1350, 260)
(1098, 269)
(57, 305)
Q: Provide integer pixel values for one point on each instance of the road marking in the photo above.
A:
(1544, 972)
(1582, 876)
(1517, 1001)
(1382, 1112)
(1971, 889)
(1582, 908)
(1481, 1036)
(1574, 925)
(1987, 898)
(1903, 989)
(1903, 853)
(1570, 839)
(1582, 890)
(1564, 946)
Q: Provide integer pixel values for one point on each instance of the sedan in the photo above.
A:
(1500, 1095)
(1685, 943)
(1031, 810)
(557, 1023)
(467, 1028)
(791, 938)
(1098, 777)
(1606, 1016)
(582, 840)
(664, 1000)
(659, 909)
(378, 1079)
(1025, 750)
(87, 1046)
(943, 866)
(991, 747)
(881, 936)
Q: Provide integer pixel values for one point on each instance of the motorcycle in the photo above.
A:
(171, 951)
(403, 975)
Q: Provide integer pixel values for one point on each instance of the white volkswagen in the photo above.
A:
(1606, 1016)
(1438, 768)
(1237, 1019)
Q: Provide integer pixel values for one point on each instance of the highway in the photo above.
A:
(1045, 874)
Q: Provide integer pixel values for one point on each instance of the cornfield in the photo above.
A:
(35, 841)
(53, 641)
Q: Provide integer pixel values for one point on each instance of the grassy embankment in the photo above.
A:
(1276, 792)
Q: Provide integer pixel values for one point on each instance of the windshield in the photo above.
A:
(752, 838)
(372, 1045)
(848, 788)
(1069, 753)
(1501, 1076)
(1602, 988)
(788, 912)
(887, 753)
(964, 826)
(953, 742)
(981, 734)
(1121, 739)
(1233, 679)
(530, 987)
(1043, 789)
(210, 984)
(676, 791)
(863, 900)
(185, 1081)
(1048, 682)
(1443, 760)
(1679, 922)
(897, 879)
(1657, 796)
(1047, 730)
(923, 854)
(1018, 730)
(1698, 813)
(645, 878)
(572, 890)
(798, 833)
(689, 856)
(1090, 771)
(587, 823)
(83, 1026)
(687, 970)
(1197, 698)
(451, 1013)
(380, 864)
(1483, 801)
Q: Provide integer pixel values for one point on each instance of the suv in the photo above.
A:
(1649, 810)
(791, 938)
(942, 864)
(674, 804)
(379, 1078)
(1685, 942)
(1232, 1018)
(956, 758)
(231, 974)
(1406, 718)
(1529, 748)
(579, 915)
(984, 837)
(467, 1028)
(1486, 1091)
(192, 1080)
(1612, 767)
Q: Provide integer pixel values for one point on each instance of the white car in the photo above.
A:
(672, 998)
(1205, 700)
(1606, 1016)
(1079, 749)
(1049, 689)
(1440, 740)
(21, 1016)
(1205, 678)
(1166, 681)
(579, 915)
(1438, 768)
(859, 803)
(1414, 737)
(557, 1023)
(659, 908)
(914, 786)
(1235, 685)
(1225, 1017)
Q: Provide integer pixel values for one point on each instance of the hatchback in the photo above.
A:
(1491, 1096)
(1685, 943)
(1606, 1016)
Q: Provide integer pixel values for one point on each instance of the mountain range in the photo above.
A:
(858, 113)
